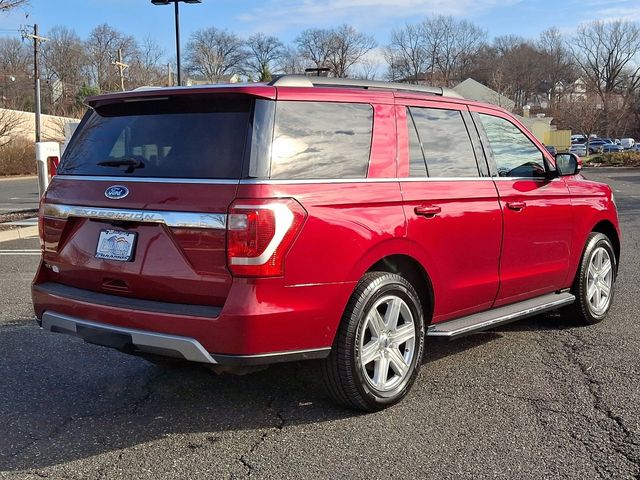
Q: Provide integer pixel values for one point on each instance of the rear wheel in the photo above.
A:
(378, 348)
(594, 284)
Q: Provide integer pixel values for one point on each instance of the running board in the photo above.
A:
(499, 316)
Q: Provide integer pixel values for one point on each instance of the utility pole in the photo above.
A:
(36, 74)
(169, 76)
(177, 16)
(121, 66)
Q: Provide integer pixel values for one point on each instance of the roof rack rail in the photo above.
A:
(305, 81)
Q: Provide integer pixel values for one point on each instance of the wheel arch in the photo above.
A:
(607, 228)
(413, 271)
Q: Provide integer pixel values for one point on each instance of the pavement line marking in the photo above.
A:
(7, 250)
(18, 253)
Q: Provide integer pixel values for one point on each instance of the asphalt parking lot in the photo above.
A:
(536, 399)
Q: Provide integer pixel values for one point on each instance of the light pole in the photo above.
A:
(177, 15)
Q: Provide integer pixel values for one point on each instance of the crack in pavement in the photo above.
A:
(63, 426)
(263, 437)
(619, 435)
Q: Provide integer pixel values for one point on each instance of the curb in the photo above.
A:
(19, 233)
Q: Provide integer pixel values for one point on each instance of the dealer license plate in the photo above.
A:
(116, 245)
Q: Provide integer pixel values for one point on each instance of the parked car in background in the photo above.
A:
(551, 149)
(315, 218)
(579, 149)
(595, 146)
(578, 139)
(627, 143)
(611, 148)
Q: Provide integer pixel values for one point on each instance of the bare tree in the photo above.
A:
(290, 61)
(608, 56)
(406, 55)
(453, 43)
(314, 46)
(64, 64)
(558, 68)
(264, 54)
(6, 5)
(147, 66)
(102, 48)
(367, 69)
(15, 71)
(433, 32)
(347, 47)
(213, 53)
(580, 116)
(10, 123)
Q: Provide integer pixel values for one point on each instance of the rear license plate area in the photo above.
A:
(116, 245)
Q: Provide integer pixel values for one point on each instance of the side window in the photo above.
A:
(417, 166)
(315, 140)
(445, 142)
(515, 155)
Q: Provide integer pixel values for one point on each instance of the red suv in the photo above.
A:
(315, 218)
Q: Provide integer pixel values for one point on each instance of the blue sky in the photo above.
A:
(285, 18)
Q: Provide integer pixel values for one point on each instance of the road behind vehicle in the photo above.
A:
(205, 223)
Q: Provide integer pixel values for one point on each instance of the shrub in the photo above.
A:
(621, 159)
(18, 158)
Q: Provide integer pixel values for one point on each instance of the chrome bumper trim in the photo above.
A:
(165, 344)
(216, 221)
(187, 348)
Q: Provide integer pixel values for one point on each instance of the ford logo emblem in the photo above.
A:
(116, 192)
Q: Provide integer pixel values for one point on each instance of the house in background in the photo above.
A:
(540, 125)
(191, 81)
(473, 90)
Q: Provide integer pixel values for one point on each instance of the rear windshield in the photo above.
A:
(171, 137)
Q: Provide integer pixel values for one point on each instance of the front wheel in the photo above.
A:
(378, 348)
(594, 284)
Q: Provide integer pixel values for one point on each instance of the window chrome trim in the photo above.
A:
(367, 180)
(95, 178)
(306, 181)
(215, 221)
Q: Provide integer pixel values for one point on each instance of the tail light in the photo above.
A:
(259, 235)
(41, 223)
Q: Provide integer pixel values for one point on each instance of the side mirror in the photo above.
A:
(568, 164)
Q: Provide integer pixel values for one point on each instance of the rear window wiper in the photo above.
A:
(131, 163)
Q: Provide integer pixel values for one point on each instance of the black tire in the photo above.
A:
(582, 310)
(350, 383)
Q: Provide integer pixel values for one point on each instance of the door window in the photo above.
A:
(514, 153)
(445, 141)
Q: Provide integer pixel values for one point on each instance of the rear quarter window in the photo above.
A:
(321, 140)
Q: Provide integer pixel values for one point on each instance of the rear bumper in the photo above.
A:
(262, 321)
(140, 341)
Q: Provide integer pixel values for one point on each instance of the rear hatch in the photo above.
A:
(138, 208)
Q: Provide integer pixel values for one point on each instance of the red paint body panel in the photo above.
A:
(462, 242)
(259, 316)
(476, 252)
(537, 238)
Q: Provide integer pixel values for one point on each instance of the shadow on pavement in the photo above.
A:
(63, 400)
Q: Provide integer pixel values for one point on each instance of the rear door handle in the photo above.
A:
(428, 210)
(516, 205)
